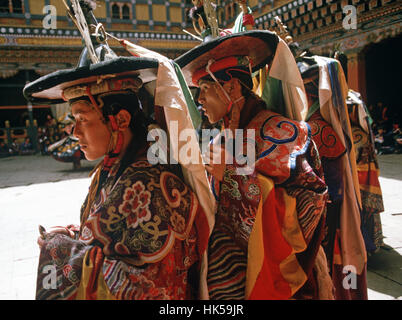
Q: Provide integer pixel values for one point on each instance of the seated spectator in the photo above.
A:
(41, 141)
(395, 128)
(51, 129)
(26, 147)
(47, 144)
(4, 149)
(398, 143)
(379, 137)
(397, 137)
(14, 148)
(384, 141)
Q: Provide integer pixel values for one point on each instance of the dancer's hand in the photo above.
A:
(216, 161)
(56, 229)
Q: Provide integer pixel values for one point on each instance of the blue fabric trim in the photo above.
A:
(213, 189)
(276, 141)
(294, 155)
(335, 85)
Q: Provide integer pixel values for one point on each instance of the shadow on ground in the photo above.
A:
(385, 264)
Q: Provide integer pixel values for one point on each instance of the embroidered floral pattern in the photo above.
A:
(135, 205)
(145, 219)
(143, 213)
(86, 234)
(178, 222)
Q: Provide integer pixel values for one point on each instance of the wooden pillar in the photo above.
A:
(357, 73)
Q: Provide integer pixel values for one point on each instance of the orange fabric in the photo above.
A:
(270, 283)
(96, 257)
(92, 285)
(256, 245)
(368, 178)
(276, 240)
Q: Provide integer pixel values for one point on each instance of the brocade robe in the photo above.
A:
(370, 189)
(269, 223)
(143, 234)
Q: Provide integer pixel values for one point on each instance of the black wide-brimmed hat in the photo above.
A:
(259, 46)
(96, 63)
(308, 68)
(49, 88)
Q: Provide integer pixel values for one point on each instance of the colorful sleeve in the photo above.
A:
(289, 221)
(131, 243)
(288, 155)
(143, 215)
(60, 267)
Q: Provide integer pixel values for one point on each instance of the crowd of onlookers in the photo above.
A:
(50, 133)
(16, 148)
(386, 129)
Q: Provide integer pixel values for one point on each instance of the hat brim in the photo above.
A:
(49, 89)
(308, 68)
(258, 45)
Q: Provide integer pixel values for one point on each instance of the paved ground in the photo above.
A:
(39, 190)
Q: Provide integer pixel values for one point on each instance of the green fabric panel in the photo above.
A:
(272, 94)
(315, 106)
(192, 108)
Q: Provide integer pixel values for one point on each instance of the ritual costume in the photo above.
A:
(143, 230)
(269, 221)
(326, 89)
(368, 172)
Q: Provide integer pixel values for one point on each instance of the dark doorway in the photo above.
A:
(383, 75)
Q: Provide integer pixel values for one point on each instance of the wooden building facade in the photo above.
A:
(30, 46)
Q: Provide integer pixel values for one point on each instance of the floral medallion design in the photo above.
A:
(135, 206)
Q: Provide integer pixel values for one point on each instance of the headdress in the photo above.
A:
(222, 58)
(99, 71)
(259, 46)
